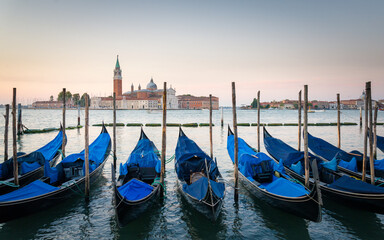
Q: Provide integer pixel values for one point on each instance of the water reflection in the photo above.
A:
(363, 224)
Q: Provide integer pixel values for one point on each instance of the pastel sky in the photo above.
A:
(199, 47)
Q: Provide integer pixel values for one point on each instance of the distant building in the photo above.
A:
(149, 98)
(192, 102)
(52, 104)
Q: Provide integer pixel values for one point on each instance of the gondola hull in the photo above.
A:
(211, 211)
(19, 208)
(369, 202)
(306, 206)
(127, 211)
(27, 178)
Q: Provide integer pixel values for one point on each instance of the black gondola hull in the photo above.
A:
(16, 209)
(209, 211)
(305, 207)
(127, 211)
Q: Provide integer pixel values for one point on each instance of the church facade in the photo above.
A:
(149, 98)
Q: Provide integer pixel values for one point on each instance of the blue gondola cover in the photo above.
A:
(346, 183)
(199, 188)
(135, 190)
(33, 189)
(351, 165)
(380, 143)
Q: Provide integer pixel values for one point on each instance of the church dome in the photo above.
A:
(151, 85)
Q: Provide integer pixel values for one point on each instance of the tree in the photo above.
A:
(296, 106)
(51, 98)
(254, 103)
(82, 100)
(76, 98)
(68, 96)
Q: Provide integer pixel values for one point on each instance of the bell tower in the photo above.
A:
(117, 79)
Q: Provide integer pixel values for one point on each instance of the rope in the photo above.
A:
(61, 153)
(157, 181)
(11, 184)
(170, 159)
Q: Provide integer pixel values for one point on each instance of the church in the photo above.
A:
(149, 98)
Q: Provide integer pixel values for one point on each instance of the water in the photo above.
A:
(172, 217)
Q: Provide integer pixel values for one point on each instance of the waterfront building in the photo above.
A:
(192, 102)
(52, 104)
(149, 98)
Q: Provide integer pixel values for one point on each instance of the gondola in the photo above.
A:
(348, 162)
(31, 165)
(333, 184)
(198, 178)
(59, 183)
(138, 185)
(380, 143)
(266, 180)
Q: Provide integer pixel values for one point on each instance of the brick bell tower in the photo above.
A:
(117, 79)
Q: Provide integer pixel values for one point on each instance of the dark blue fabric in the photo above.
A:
(282, 151)
(380, 142)
(33, 189)
(379, 165)
(351, 165)
(50, 149)
(328, 151)
(135, 190)
(350, 184)
(332, 165)
(284, 187)
(199, 189)
(143, 156)
(97, 151)
(190, 158)
(28, 167)
(298, 168)
(249, 157)
(33, 157)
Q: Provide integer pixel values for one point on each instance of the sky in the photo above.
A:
(198, 47)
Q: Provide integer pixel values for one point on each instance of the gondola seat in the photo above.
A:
(262, 172)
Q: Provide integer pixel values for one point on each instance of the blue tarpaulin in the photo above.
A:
(351, 165)
(142, 156)
(380, 142)
(135, 190)
(33, 189)
(284, 187)
(189, 158)
(199, 188)
(50, 150)
(97, 151)
(28, 162)
(332, 165)
(350, 184)
(248, 157)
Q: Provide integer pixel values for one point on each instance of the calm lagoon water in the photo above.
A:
(172, 217)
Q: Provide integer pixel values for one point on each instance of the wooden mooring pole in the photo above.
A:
(87, 185)
(370, 135)
(63, 142)
(78, 114)
(299, 123)
(306, 160)
(222, 117)
(361, 116)
(374, 131)
(236, 147)
(114, 131)
(258, 121)
(15, 165)
(364, 167)
(19, 120)
(338, 122)
(164, 137)
(210, 125)
(6, 116)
